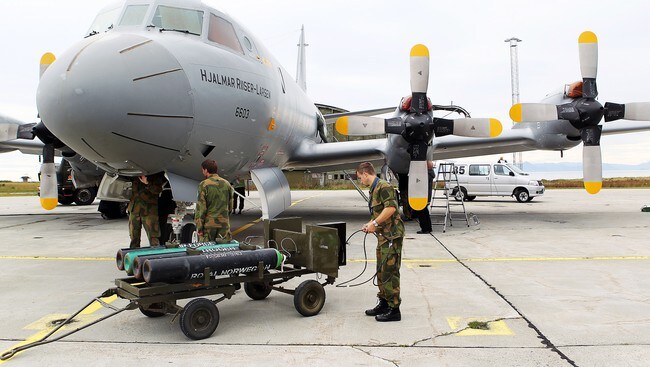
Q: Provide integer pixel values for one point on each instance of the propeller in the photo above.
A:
(584, 112)
(418, 127)
(11, 129)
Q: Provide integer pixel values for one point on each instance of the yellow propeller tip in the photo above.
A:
(587, 37)
(341, 125)
(417, 203)
(419, 50)
(593, 187)
(49, 203)
(495, 128)
(47, 58)
(515, 112)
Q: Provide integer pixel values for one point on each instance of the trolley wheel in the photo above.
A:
(153, 313)
(257, 290)
(199, 318)
(309, 298)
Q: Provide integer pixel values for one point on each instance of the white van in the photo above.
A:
(494, 179)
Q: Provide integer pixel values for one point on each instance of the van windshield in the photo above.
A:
(517, 170)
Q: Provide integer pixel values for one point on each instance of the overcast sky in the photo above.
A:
(358, 54)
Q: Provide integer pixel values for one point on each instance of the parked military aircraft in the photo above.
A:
(162, 85)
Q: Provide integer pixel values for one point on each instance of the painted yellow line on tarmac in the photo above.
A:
(246, 226)
(518, 259)
(301, 200)
(66, 258)
(44, 324)
(494, 327)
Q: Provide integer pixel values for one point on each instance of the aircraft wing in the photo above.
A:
(331, 118)
(336, 156)
(514, 140)
(622, 127)
(24, 146)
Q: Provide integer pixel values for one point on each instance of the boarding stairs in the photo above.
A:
(441, 207)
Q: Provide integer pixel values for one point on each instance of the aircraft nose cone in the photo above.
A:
(119, 99)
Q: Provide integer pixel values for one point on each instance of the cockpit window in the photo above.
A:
(134, 15)
(104, 21)
(178, 19)
(222, 32)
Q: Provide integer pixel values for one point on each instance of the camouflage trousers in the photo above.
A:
(151, 226)
(389, 259)
(212, 234)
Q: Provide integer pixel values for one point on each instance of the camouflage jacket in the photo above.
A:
(383, 195)
(214, 204)
(144, 198)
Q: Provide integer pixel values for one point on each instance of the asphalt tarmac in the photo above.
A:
(563, 280)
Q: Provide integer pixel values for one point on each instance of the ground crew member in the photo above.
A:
(214, 205)
(240, 188)
(389, 228)
(143, 209)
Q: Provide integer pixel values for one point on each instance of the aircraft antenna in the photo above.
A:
(517, 157)
(301, 72)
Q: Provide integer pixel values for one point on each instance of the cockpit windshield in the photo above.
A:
(178, 19)
(104, 21)
(134, 15)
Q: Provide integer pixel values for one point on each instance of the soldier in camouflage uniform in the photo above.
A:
(388, 227)
(214, 205)
(143, 209)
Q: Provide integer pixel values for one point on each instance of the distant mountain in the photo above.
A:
(576, 166)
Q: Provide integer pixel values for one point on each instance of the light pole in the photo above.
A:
(517, 158)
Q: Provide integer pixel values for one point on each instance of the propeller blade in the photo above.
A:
(48, 190)
(418, 185)
(419, 77)
(588, 50)
(635, 111)
(533, 112)
(46, 60)
(359, 125)
(592, 167)
(11, 129)
(477, 127)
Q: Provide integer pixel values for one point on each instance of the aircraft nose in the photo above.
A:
(119, 99)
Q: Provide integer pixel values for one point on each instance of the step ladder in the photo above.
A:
(446, 181)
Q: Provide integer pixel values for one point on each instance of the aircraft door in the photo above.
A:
(504, 179)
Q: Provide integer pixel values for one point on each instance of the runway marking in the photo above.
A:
(58, 258)
(301, 200)
(496, 328)
(44, 324)
(246, 226)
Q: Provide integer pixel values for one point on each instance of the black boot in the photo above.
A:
(392, 314)
(382, 307)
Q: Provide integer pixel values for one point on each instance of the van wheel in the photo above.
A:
(522, 195)
(460, 195)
